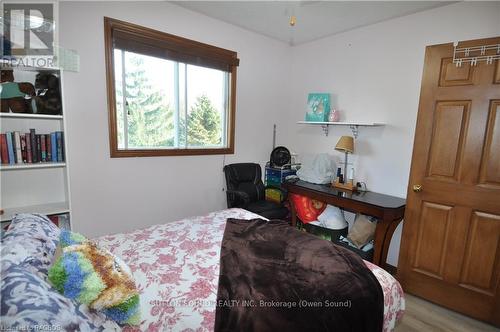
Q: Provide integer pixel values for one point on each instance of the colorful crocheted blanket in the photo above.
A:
(92, 275)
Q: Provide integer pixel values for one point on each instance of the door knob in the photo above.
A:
(417, 188)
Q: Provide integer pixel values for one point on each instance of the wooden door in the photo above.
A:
(450, 248)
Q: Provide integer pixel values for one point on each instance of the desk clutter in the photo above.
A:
(388, 210)
(317, 168)
(279, 169)
(274, 177)
(320, 168)
(328, 222)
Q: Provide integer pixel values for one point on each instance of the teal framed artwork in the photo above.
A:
(318, 107)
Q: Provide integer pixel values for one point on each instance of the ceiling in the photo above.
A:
(314, 19)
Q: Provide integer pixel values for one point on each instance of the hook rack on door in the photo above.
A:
(475, 54)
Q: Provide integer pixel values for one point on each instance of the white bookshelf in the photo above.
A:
(39, 187)
(353, 125)
(30, 116)
(30, 166)
(47, 209)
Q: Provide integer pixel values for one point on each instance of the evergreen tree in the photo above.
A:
(204, 124)
(151, 119)
(149, 116)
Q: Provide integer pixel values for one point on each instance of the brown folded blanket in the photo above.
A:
(276, 278)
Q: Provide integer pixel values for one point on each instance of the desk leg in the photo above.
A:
(387, 241)
(380, 232)
(293, 212)
(383, 235)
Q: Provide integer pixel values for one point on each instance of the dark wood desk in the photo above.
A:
(388, 209)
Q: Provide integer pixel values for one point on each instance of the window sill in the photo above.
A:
(169, 152)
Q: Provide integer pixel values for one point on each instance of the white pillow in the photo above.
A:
(332, 218)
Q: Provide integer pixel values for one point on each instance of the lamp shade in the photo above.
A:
(345, 144)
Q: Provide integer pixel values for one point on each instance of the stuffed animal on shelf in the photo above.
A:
(48, 94)
(14, 96)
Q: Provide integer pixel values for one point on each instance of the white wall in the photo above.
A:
(374, 74)
(115, 195)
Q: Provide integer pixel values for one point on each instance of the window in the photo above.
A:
(167, 95)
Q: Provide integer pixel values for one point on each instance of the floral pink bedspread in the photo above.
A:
(176, 267)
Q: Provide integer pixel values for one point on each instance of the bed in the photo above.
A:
(176, 267)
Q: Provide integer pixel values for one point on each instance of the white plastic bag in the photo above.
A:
(317, 168)
(332, 218)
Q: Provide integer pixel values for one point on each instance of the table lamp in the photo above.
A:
(346, 145)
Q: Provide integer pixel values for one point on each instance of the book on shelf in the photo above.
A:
(60, 155)
(53, 145)
(63, 153)
(29, 154)
(10, 149)
(43, 148)
(30, 148)
(48, 147)
(34, 151)
(39, 147)
(17, 145)
(61, 220)
(24, 149)
(3, 146)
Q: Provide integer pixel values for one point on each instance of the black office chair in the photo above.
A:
(246, 190)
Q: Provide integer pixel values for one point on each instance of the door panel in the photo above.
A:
(450, 246)
(490, 161)
(481, 268)
(447, 144)
(431, 242)
(452, 75)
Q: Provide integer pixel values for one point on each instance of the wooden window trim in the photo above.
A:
(213, 55)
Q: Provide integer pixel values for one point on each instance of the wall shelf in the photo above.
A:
(30, 166)
(30, 116)
(46, 209)
(353, 125)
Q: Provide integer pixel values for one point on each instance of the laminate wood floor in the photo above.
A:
(421, 315)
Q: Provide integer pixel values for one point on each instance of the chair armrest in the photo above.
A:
(236, 196)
